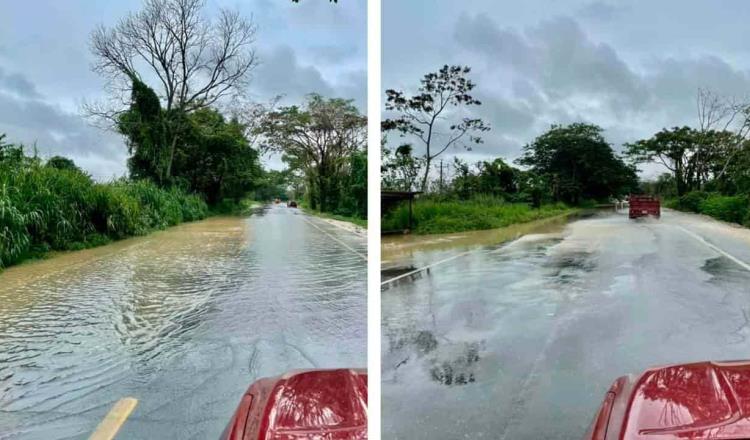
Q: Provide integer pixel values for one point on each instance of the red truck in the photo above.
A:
(642, 206)
(306, 404)
(698, 401)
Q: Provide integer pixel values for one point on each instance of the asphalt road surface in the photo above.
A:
(522, 341)
(183, 320)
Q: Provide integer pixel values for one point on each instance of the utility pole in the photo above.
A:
(441, 176)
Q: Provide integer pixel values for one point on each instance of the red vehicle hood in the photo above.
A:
(700, 401)
(311, 404)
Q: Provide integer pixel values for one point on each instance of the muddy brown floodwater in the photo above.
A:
(183, 320)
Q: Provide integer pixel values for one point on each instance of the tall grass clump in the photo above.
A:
(481, 212)
(44, 208)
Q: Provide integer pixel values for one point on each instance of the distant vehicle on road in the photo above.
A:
(277, 201)
(705, 400)
(309, 404)
(291, 204)
(642, 206)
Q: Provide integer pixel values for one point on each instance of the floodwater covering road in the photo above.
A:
(183, 320)
(522, 341)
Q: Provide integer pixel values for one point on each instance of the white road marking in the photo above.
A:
(360, 254)
(404, 275)
(702, 240)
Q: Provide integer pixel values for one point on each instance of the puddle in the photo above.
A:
(459, 369)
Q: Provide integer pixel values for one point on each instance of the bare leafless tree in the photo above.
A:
(195, 61)
(719, 114)
(251, 114)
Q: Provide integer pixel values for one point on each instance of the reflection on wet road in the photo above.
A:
(183, 320)
(522, 341)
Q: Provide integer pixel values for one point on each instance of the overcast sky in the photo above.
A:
(631, 67)
(45, 74)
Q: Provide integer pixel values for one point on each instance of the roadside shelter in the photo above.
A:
(390, 199)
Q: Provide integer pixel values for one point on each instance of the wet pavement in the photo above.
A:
(522, 341)
(183, 320)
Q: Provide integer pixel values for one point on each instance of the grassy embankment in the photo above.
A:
(344, 218)
(355, 220)
(441, 217)
(45, 209)
(733, 209)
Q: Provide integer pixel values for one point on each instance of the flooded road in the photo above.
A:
(183, 320)
(522, 341)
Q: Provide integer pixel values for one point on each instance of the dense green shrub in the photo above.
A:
(46, 208)
(692, 201)
(728, 208)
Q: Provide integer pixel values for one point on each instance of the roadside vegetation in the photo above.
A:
(707, 164)
(177, 83)
(563, 169)
(324, 143)
(53, 205)
(435, 216)
(361, 222)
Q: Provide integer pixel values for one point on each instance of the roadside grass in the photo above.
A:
(44, 209)
(482, 212)
(355, 220)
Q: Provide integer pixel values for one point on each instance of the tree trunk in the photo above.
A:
(323, 194)
(680, 180)
(426, 174)
(171, 157)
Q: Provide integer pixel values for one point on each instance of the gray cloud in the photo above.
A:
(557, 57)
(533, 70)
(334, 54)
(601, 11)
(281, 72)
(54, 131)
(17, 84)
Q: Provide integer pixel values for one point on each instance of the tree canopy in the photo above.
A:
(693, 156)
(62, 163)
(578, 163)
(319, 139)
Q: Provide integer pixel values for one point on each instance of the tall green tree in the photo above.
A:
(693, 156)
(318, 139)
(400, 169)
(673, 148)
(578, 163)
(62, 163)
(429, 114)
(464, 183)
(215, 158)
(353, 190)
(144, 126)
(497, 178)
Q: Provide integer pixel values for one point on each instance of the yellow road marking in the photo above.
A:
(114, 419)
